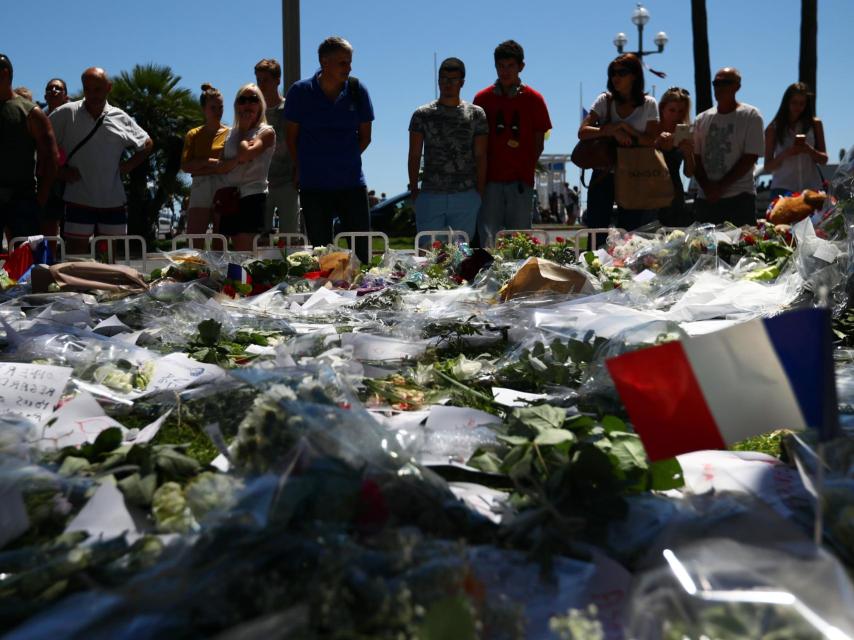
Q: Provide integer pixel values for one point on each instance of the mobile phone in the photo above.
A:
(800, 138)
(683, 132)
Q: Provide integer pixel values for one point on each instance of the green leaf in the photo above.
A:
(553, 437)
(137, 490)
(72, 465)
(540, 417)
(107, 440)
(209, 332)
(628, 450)
(486, 461)
(613, 423)
(666, 474)
(174, 465)
(513, 441)
(448, 618)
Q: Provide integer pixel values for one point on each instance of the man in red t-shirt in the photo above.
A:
(518, 120)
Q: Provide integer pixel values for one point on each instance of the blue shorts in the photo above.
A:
(81, 222)
(443, 211)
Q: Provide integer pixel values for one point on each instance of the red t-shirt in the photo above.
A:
(511, 155)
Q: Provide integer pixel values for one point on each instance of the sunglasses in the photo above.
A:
(447, 80)
(54, 90)
(622, 73)
(680, 90)
(723, 82)
(248, 99)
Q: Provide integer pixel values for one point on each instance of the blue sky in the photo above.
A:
(567, 44)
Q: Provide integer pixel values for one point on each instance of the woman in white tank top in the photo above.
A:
(246, 158)
(794, 143)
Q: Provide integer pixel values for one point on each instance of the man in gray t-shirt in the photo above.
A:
(282, 196)
(453, 137)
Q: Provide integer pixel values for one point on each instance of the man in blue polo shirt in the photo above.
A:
(328, 127)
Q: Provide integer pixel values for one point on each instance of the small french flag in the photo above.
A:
(713, 390)
(237, 273)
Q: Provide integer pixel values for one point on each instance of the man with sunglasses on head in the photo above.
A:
(453, 137)
(518, 121)
(328, 127)
(728, 139)
(28, 158)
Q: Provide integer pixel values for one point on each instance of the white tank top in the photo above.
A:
(251, 177)
(797, 172)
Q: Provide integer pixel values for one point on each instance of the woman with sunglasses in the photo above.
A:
(245, 160)
(629, 116)
(200, 158)
(794, 143)
(677, 144)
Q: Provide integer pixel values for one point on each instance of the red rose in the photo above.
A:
(535, 240)
(560, 239)
(229, 291)
(437, 244)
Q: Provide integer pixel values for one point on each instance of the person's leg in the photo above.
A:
(250, 220)
(520, 206)
(600, 203)
(491, 213)
(198, 220)
(630, 219)
(79, 227)
(355, 215)
(317, 213)
(285, 199)
(430, 211)
(742, 209)
(462, 211)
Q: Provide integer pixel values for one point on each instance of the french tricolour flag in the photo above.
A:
(712, 390)
(237, 273)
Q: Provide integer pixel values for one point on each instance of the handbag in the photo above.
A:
(596, 153)
(642, 180)
(226, 201)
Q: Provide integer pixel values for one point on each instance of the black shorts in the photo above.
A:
(20, 216)
(250, 218)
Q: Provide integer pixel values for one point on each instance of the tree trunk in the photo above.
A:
(702, 66)
(808, 62)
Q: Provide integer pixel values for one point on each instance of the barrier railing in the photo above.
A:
(111, 252)
(208, 238)
(351, 236)
(60, 243)
(277, 241)
(450, 236)
(540, 234)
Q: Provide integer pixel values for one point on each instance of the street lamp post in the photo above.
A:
(640, 16)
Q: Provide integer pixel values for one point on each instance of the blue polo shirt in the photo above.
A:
(328, 143)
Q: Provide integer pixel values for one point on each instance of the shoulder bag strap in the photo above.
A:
(87, 138)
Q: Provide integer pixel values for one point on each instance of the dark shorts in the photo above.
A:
(250, 218)
(739, 210)
(83, 222)
(20, 216)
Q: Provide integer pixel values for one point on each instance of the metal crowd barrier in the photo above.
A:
(273, 246)
(450, 236)
(60, 243)
(350, 237)
(208, 238)
(111, 254)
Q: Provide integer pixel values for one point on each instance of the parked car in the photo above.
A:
(394, 216)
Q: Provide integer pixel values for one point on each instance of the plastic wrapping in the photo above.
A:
(720, 588)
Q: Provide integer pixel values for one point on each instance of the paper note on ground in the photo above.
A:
(371, 347)
(76, 422)
(178, 371)
(444, 418)
(31, 390)
(105, 515)
(513, 398)
(111, 326)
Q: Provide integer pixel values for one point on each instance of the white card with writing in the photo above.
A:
(178, 371)
(76, 422)
(31, 390)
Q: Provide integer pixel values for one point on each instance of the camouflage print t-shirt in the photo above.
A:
(449, 132)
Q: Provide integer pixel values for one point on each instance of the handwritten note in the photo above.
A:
(76, 422)
(31, 390)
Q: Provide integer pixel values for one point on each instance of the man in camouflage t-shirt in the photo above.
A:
(453, 136)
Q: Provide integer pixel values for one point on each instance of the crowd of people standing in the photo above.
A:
(293, 162)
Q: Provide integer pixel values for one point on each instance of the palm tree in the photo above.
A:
(150, 95)
(702, 66)
(808, 61)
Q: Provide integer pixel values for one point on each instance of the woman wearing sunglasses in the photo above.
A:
(246, 158)
(200, 157)
(629, 116)
(794, 143)
(676, 142)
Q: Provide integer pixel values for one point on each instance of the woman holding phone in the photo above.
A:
(676, 142)
(794, 143)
